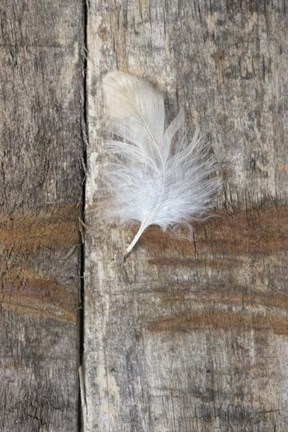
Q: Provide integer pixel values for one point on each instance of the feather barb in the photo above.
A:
(154, 176)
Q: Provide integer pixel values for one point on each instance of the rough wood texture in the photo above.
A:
(41, 106)
(186, 337)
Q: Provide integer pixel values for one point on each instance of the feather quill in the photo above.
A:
(154, 176)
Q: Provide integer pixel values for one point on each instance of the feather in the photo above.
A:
(154, 176)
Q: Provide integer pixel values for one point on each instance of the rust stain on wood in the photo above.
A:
(260, 231)
(220, 320)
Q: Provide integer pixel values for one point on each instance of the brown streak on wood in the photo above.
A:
(25, 290)
(263, 231)
(39, 297)
(39, 309)
(54, 228)
(229, 297)
(189, 262)
(217, 320)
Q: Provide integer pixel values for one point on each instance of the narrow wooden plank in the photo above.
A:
(41, 106)
(192, 336)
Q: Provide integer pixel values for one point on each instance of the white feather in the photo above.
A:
(153, 178)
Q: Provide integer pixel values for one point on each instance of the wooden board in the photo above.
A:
(41, 146)
(183, 336)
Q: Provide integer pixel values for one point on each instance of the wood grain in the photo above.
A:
(41, 146)
(192, 336)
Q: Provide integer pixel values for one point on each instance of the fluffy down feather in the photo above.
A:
(154, 176)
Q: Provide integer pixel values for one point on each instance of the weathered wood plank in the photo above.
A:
(41, 81)
(193, 336)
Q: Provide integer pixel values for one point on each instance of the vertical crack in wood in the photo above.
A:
(84, 134)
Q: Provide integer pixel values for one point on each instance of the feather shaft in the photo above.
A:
(137, 236)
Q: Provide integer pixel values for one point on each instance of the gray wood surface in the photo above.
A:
(41, 105)
(186, 337)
